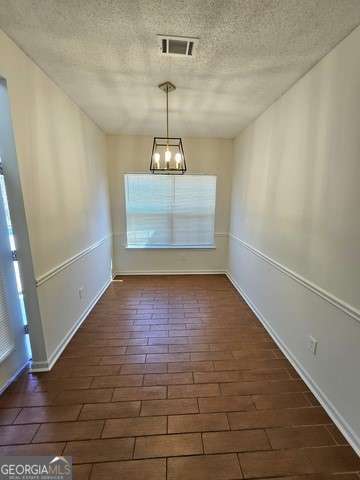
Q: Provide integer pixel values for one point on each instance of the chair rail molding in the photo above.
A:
(69, 261)
(329, 297)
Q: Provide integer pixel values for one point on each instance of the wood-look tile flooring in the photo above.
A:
(174, 377)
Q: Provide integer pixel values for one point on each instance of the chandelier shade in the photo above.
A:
(167, 156)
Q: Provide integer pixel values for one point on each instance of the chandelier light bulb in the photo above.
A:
(167, 156)
(156, 158)
(178, 159)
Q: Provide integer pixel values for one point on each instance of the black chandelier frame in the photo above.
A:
(168, 168)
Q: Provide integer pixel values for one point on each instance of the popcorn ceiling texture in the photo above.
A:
(104, 54)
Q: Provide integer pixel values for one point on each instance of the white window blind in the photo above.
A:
(6, 339)
(170, 210)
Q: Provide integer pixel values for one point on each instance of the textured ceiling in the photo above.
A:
(104, 54)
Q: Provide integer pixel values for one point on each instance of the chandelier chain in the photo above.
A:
(167, 113)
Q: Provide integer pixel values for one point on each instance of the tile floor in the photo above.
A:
(173, 377)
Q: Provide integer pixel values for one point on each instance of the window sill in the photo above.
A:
(170, 247)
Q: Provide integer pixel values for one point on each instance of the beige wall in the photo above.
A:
(61, 157)
(294, 247)
(131, 154)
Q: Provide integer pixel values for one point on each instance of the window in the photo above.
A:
(170, 211)
(7, 344)
(7, 341)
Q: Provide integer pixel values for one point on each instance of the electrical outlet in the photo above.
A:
(312, 345)
(82, 292)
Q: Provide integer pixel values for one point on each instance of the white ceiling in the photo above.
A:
(104, 54)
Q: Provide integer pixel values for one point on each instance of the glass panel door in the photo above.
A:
(14, 351)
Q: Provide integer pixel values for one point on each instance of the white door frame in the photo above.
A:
(18, 218)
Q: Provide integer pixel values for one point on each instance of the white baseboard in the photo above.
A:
(330, 409)
(47, 365)
(171, 272)
(13, 377)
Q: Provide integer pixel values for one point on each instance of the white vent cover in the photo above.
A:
(179, 46)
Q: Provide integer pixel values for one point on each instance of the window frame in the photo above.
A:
(169, 246)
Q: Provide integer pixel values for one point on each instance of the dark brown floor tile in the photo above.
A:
(168, 379)
(204, 467)
(265, 374)
(282, 400)
(68, 367)
(48, 414)
(167, 357)
(152, 334)
(278, 418)
(254, 354)
(135, 427)
(80, 351)
(209, 356)
(81, 472)
(190, 367)
(147, 349)
(169, 407)
(168, 341)
(68, 397)
(239, 441)
(8, 415)
(226, 347)
(17, 434)
(200, 347)
(274, 463)
(225, 404)
(312, 399)
(139, 393)
(25, 383)
(216, 377)
(168, 445)
(154, 469)
(88, 371)
(122, 359)
(62, 431)
(336, 434)
(59, 384)
(250, 364)
(110, 410)
(142, 368)
(117, 381)
(104, 450)
(298, 437)
(307, 416)
(28, 399)
(333, 459)
(205, 422)
(31, 449)
(194, 390)
(263, 387)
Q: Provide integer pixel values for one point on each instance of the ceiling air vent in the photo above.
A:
(183, 46)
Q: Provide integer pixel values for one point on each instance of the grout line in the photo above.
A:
(79, 414)
(241, 470)
(35, 433)
(17, 415)
(331, 433)
(64, 448)
(133, 449)
(267, 438)
(91, 471)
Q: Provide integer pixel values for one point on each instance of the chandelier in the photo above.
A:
(167, 156)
